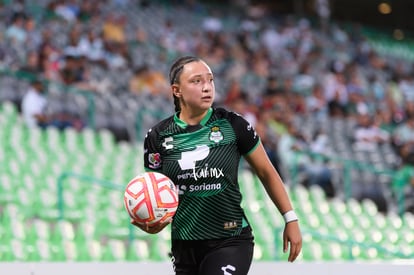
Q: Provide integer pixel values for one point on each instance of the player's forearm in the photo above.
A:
(277, 193)
(270, 179)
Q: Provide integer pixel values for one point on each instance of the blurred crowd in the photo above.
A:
(274, 69)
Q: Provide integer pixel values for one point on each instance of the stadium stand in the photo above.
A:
(61, 191)
(87, 221)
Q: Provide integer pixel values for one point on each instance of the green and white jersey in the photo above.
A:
(203, 162)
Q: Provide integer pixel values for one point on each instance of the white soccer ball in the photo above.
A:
(151, 197)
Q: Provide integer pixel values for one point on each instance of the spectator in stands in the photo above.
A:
(295, 153)
(33, 34)
(92, 47)
(403, 182)
(16, 32)
(31, 68)
(233, 91)
(335, 90)
(404, 133)
(66, 9)
(385, 120)
(367, 133)
(241, 106)
(34, 112)
(115, 40)
(316, 103)
(72, 48)
(75, 73)
(269, 142)
(280, 116)
(49, 57)
(148, 81)
(34, 105)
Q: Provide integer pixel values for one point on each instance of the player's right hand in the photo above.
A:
(153, 229)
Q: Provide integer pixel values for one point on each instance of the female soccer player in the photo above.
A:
(199, 148)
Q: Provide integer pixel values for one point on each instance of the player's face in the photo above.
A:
(196, 88)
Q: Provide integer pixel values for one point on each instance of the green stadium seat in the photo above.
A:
(7, 191)
(138, 250)
(406, 249)
(316, 193)
(62, 230)
(364, 254)
(337, 252)
(69, 250)
(47, 207)
(258, 252)
(376, 235)
(114, 251)
(18, 250)
(44, 251)
(394, 220)
(93, 249)
(159, 249)
(408, 219)
(353, 207)
(6, 254)
(317, 251)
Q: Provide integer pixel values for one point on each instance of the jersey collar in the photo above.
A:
(203, 122)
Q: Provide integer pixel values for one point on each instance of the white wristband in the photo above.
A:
(290, 216)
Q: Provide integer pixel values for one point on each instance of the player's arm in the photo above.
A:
(274, 187)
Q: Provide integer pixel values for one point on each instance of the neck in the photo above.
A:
(192, 118)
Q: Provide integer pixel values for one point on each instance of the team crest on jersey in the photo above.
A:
(216, 135)
(154, 160)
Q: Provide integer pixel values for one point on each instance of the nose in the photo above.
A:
(207, 86)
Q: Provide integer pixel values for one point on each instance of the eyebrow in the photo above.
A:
(198, 75)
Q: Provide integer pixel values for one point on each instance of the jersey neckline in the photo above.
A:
(203, 122)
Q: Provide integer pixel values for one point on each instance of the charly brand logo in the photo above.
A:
(228, 268)
(167, 143)
(250, 128)
(216, 135)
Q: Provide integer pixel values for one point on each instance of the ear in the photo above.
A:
(176, 90)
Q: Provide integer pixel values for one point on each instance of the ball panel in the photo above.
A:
(151, 198)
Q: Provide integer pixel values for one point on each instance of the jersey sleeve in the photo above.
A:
(247, 138)
(152, 156)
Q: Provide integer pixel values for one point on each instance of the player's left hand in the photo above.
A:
(292, 236)
(153, 229)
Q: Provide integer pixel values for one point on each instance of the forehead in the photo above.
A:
(196, 68)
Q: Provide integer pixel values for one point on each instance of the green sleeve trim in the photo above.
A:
(254, 147)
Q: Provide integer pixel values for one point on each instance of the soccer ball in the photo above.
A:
(151, 197)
